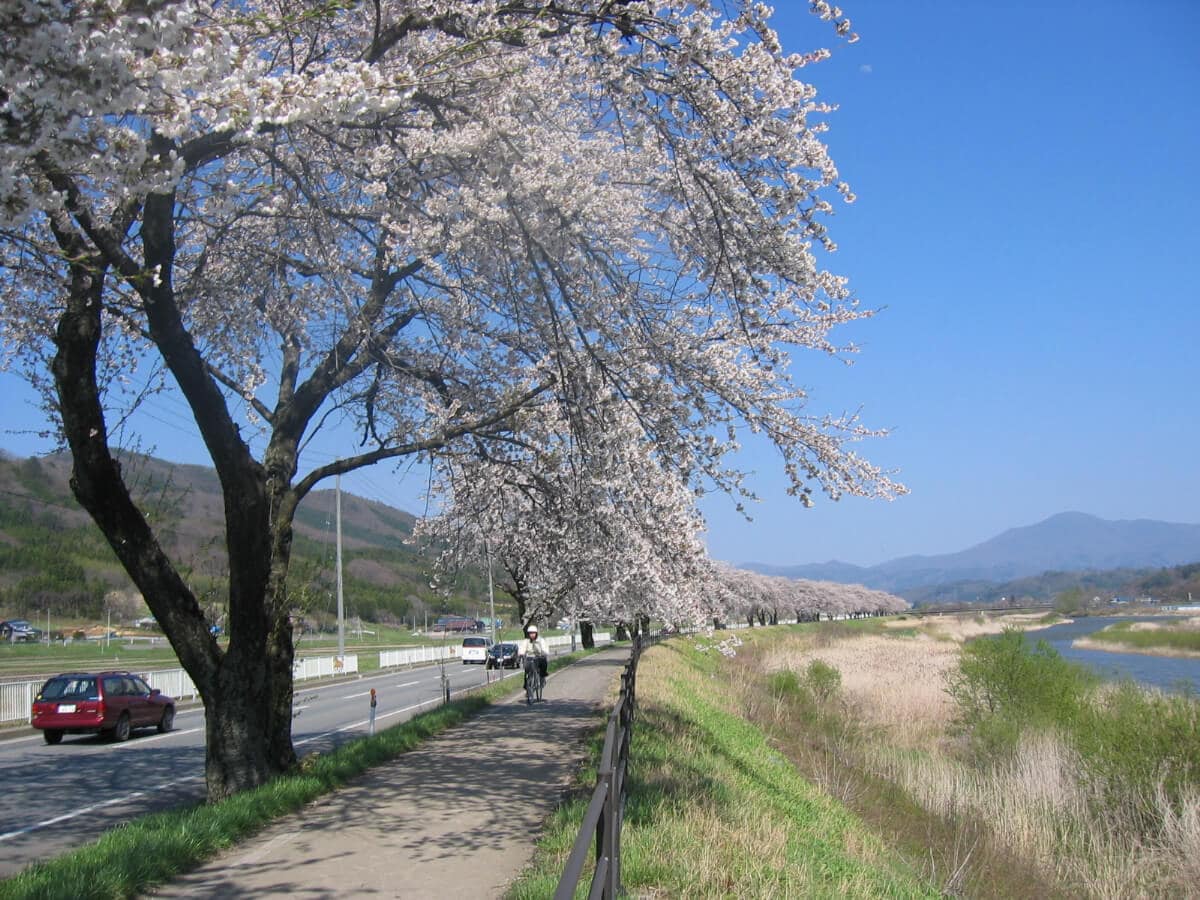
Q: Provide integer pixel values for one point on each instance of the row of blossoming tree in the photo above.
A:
(755, 598)
(563, 251)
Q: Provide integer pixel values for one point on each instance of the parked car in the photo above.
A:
(19, 630)
(475, 649)
(502, 656)
(113, 704)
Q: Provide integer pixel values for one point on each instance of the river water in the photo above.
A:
(1165, 672)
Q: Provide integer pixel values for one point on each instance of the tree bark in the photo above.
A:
(247, 689)
(587, 635)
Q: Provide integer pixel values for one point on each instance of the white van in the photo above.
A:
(475, 649)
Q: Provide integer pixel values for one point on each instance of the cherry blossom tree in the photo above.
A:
(588, 522)
(754, 597)
(419, 220)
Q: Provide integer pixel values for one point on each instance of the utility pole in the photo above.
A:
(487, 551)
(341, 613)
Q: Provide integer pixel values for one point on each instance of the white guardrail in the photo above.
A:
(16, 697)
(414, 656)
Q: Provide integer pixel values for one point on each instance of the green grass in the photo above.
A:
(151, 850)
(714, 810)
(1167, 637)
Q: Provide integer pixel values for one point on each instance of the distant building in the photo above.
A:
(457, 623)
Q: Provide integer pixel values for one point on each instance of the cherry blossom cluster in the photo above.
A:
(565, 251)
(753, 597)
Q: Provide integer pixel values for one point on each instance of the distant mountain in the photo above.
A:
(53, 556)
(190, 496)
(1067, 542)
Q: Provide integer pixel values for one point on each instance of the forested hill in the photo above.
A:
(1062, 544)
(1167, 585)
(53, 557)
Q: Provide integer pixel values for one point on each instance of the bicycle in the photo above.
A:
(533, 680)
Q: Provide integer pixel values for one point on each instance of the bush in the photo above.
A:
(819, 684)
(1070, 601)
(784, 683)
(823, 681)
(1133, 741)
(1005, 684)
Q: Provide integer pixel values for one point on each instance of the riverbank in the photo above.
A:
(714, 808)
(750, 746)
(1179, 638)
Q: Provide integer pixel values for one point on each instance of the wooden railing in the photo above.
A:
(602, 821)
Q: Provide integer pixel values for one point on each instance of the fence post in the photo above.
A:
(605, 814)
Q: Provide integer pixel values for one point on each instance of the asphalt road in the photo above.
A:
(53, 799)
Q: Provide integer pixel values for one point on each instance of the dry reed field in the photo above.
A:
(1034, 804)
(898, 683)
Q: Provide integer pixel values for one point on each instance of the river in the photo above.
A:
(1165, 672)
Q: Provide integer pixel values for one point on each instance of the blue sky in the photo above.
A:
(1026, 220)
(1028, 193)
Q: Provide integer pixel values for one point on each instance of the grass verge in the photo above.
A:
(713, 810)
(1174, 638)
(1013, 772)
(153, 849)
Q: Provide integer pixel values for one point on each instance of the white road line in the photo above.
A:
(150, 739)
(46, 823)
(37, 736)
(143, 741)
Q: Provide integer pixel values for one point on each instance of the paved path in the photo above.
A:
(457, 817)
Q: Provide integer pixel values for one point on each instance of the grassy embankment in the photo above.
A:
(1044, 781)
(152, 850)
(714, 810)
(998, 771)
(1166, 638)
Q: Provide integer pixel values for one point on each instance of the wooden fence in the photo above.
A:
(602, 821)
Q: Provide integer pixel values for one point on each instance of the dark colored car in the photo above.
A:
(109, 703)
(502, 656)
(19, 630)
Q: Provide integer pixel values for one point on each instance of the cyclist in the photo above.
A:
(534, 646)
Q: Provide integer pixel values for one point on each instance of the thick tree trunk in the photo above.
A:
(236, 730)
(587, 635)
(247, 691)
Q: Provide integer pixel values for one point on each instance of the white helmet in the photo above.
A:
(533, 629)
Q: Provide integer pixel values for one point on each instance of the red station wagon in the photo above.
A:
(108, 703)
